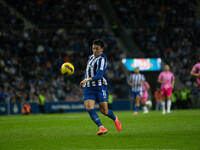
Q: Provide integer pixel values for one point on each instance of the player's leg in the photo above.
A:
(107, 112)
(163, 105)
(102, 98)
(134, 96)
(169, 104)
(137, 104)
(89, 102)
(143, 101)
(144, 107)
(163, 94)
(169, 93)
(89, 105)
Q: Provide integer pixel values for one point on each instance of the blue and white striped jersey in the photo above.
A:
(94, 64)
(135, 79)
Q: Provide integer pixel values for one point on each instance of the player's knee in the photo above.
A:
(138, 98)
(137, 102)
(88, 107)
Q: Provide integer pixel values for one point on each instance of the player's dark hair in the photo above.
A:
(99, 42)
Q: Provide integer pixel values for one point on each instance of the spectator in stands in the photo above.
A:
(158, 98)
(26, 110)
(32, 57)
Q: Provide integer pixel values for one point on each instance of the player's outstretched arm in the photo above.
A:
(195, 74)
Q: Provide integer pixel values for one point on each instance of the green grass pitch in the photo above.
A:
(178, 130)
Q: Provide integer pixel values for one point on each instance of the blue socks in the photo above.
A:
(111, 115)
(94, 116)
(137, 108)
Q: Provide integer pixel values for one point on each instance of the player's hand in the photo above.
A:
(82, 83)
(131, 84)
(172, 87)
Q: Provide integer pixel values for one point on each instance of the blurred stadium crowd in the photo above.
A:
(30, 59)
(60, 13)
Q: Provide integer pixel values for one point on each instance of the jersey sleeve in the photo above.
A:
(100, 69)
(102, 64)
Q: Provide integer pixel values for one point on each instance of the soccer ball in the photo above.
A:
(67, 69)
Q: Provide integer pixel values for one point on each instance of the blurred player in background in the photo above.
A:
(158, 98)
(110, 100)
(196, 71)
(135, 81)
(95, 87)
(145, 89)
(167, 81)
